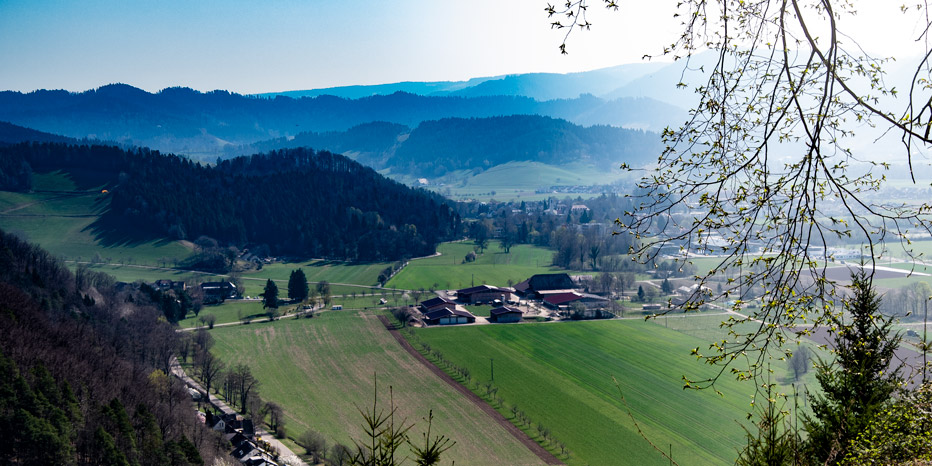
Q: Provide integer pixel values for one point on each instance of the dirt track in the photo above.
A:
(538, 450)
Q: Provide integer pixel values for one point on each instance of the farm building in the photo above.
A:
(544, 282)
(562, 299)
(483, 294)
(505, 314)
(434, 304)
(216, 292)
(447, 316)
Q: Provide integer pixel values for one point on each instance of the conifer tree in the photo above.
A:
(270, 295)
(297, 286)
(858, 384)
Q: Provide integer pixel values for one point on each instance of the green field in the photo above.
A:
(61, 223)
(494, 267)
(320, 369)
(518, 181)
(560, 374)
(319, 270)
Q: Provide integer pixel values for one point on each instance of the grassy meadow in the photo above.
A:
(321, 369)
(493, 267)
(561, 376)
(61, 222)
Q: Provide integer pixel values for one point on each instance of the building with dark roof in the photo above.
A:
(448, 316)
(433, 304)
(482, 294)
(216, 292)
(504, 314)
(545, 282)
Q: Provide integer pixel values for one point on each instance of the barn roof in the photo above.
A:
(550, 281)
(505, 310)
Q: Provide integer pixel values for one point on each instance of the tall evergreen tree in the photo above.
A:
(297, 285)
(270, 295)
(858, 384)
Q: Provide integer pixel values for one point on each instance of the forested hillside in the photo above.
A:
(84, 371)
(436, 147)
(294, 202)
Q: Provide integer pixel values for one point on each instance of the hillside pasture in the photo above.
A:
(561, 376)
(60, 218)
(321, 369)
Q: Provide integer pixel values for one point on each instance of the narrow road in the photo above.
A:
(283, 450)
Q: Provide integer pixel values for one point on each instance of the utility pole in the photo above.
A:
(492, 366)
(925, 320)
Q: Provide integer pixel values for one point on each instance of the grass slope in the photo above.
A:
(561, 376)
(320, 369)
(61, 222)
(494, 267)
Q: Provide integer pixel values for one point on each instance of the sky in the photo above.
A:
(251, 46)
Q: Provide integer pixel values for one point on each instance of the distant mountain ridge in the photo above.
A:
(436, 147)
(182, 120)
(538, 86)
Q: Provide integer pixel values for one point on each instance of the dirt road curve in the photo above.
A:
(538, 450)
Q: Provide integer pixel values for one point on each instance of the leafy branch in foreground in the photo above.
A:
(764, 173)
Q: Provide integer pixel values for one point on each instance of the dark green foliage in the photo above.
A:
(436, 147)
(107, 450)
(270, 295)
(858, 384)
(173, 304)
(434, 446)
(902, 434)
(75, 365)
(297, 202)
(297, 285)
(666, 286)
(771, 442)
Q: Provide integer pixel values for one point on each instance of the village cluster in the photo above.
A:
(542, 294)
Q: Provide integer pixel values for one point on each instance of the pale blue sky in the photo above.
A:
(252, 46)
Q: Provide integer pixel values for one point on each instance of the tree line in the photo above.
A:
(292, 202)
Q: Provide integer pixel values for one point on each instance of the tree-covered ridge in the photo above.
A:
(296, 202)
(84, 371)
(371, 141)
(435, 147)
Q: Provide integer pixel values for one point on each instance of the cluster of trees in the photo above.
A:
(86, 380)
(294, 202)
(536, 222)
(298, 289)
(862, 413)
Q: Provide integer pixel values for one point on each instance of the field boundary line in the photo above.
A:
(517, 433)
